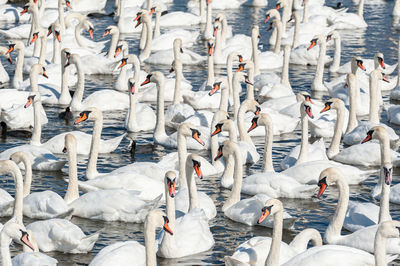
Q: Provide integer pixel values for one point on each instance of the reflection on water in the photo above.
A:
(228, 235)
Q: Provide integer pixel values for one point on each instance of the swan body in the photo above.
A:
(123, 253)
(45, 205)
(61, 235)
(360, 215)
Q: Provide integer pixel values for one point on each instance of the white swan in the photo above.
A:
(361, 239)
(41, 158)
(269, 182)
(4, 77)
(350, 21)
(13, 230)
(256, 250)
(191, 232)
(131, 252)
(317, 84)
(233, 207)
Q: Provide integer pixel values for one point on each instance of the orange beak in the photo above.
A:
(309, 112)
(278, 6)
(166, 227)
(139, 21)
(91, 33)
(326, 108)
(210, 50)
(368, 138)
(152, 11)
(123, 62)
(171, 188)
(208, 2)
(267, 18)
(9, 59)
(137, 16)
(132, 87)
(240, 58)
(25, 240)
(360, 65)
(240, 68)
(197, 169)
(34, 38)
(216, 131)
(308, 99)
(49, 32)
(265, 212)
(10, 49)
(29, 102)
(214, 89)
(58, 36)
(313, 43)
(253, 126)
(45, 75)
(82, 118)
(106, 32)
(219, 155)
(322, 188)
(215, 31)
(258, 110)
(24, 11)
(117, 51)
(382, 63)
(147, 81)
(198, 139)
(384, 78)
(68, 3)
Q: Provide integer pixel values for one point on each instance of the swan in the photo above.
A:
(104, 100)
(112, 204)
(328, 254)
(248, 150)
(166, 57)
(370, 64)
(13, 230)
(4, 77)
(349, 21)
(317, 84)
(11, 14)
(234, 208)
(192, 233)
(289, 105)
(305, 152)
(41, 158)
(361, 239)
(177, 18)
(131, 252)
(256, 250)
(18, 116)
(269, 182)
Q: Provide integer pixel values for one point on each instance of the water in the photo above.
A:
(311, 213)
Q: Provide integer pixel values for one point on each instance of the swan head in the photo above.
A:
(15, 45)
(111, 30)
(67, 3)
(357, 62)
(272, 13)
(32, 98)
(69, 143)
(378, 60)
(131, 85)
(333, 103)
(334, 34)
(178, 45)
(55, 28)
(170, 182)
(227, 148)
(121, 46)
(281, 3)
(8, 167)
(223, 125)
(318, 39)
(260, 120)
(219, 17)
(19, 157)
(378, 132)
(90, 114)
(157, 218)
(65, 55)
(271, 207)
(328, 177)
(88, 26)
(15, 231)
(194, 160)
(241, 77)
(304, 96)
(155, 76)
(251, 106)
(210, 46)
(389, 229)
(305, 110)
(217, 27)
(220, 83)
(4, 52)
(189, 130)
(38, 69)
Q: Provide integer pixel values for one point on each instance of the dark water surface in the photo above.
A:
(311, 213)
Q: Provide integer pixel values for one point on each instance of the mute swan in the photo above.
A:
(317, 84)
(177, 18)
(13, 230)
(305, 152)
(248, 150)
(370, 64)
(191, 232)
(165, 57)
(234, 208)
(349, 21)
(269, 182)
(4, 77)
(112, 204)
(12, 206)
(131, 252)
(10, 14)
(256, 250)
(41, 158)
(363, 238)
(104, 100)
(327, 254)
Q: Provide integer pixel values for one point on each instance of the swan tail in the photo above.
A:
(86, 188)
(229, 261)
(88, 242)
(289, 222)
(112, 144)
(65, 215)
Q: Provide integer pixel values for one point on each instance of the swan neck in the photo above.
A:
(159, 132)
(352, 123)
(398, 53)
(208, 30)
(338, 50)
(56, 51)
(380, 249)
(244, 136)
(91, 171)
(303, 156)
(335, 144)
(149, 40)
(182, 156)
(193, 196)
(18, 76)
(28, 176)
(131, 126)
(237, 177)
(5, 254)
(43, 46)
(278, 42)
(78, 36)
(285, 68)
(170, 208)
(360, 10)
(319, 74)
(373, 101)
(296, 31)
(210, 70)
(269, 137)
(65, 96)
(19, 194)
(61, 17)
(250, 88)
(177, 91)
(72, 189)
(80, 87)
(156, 32)
(223, 104)
(218, 45)
(305, 12)
(113, 45)
(236, 97)
(150, 243)
(37, 125)
(254, 57)
(274, 252)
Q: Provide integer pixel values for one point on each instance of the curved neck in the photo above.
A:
(224, 30)
(113, 45)
(91, 171)
(177, 91)
(237, 183)
(360, 10)
(335, 226)
(37, 125)
(337, 136)
(269, 137)
(76, 101)
(193, 197)
(18, 77)
(274, 252)
(78, 37)
(338, 51)
(159, 132)
(73, 189)
(319, 73)
(149, 40)
(352, 123)
(236, 95)
(182, 156)
(244, 136)
(28, 176)
(373, 101)
(277, 48)
(303, 156)
(300, 242)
